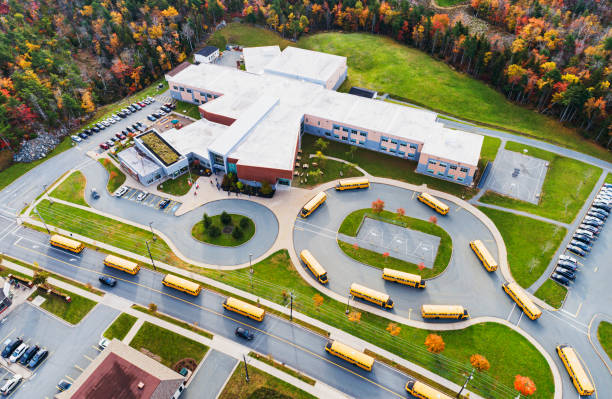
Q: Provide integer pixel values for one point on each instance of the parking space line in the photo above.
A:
(8, 335)
(70, 378)
(96, 348)
(76, 366)
(88, 358)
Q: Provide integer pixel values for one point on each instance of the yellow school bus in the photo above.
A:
(350, 184)
(181, 284)
(579, 377)
(121, 264)
(520, 297)
(349, 354)
(379, 298)
(444, 312)
(413, 280)
(245, 309)
(314, 266)
(484, 255)
(313, 204)
(434, 203)
(66, 243)
(422, 391)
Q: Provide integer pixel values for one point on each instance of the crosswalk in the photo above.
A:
(164, 98)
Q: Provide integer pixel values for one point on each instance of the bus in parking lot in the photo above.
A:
(379, 298)
(181, 284)
(579, 377)
(444, 312)
(484, 255)
(351, 184)
(433, 203)
(314, 266)
(121, 264)
(349, 354)
(244, 308)
(397, 276)
(66, 243)
(520, 297)
(313, 204)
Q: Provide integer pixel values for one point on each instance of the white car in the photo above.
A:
(10, 385)
(76, 139)
(18, 352)
(141, 196)
(103, 343)
(121, 191)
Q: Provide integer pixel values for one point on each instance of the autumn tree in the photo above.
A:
(378, 206)
(318, 301)
(479, 362)
(433, 219)
(87, 103)
(434, 343)
(524, 385)
(400, 212)
(394, 329)
(354, 316)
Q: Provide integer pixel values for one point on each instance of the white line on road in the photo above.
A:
(510, 314)
(567, 322)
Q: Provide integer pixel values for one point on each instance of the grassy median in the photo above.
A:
(115, 176)
(224, 239)
(604, 334)
(120, 327)
(72, 189)
(73, 311)
(552, 293)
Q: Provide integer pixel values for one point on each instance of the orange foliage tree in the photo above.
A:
(434, 343)
(378, 206)
(524, 385)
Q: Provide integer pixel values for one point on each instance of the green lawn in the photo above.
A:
(169, 346)
(531, 243)
(189, 109)
(604, 334)
(378, 62)
(247, 36)
(72, 189)
(383, 165)
(225, 239)
(179, 186)
(552, 293)
(567, 185)
(327, 170)
(609, 178)
(169, 319)
(449, 3)
(120, 327)
(490, 145)
(15, 171)
(350, 226)
(115, 176)
(261, 385)
(73, 312)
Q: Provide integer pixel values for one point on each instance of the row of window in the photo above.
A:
(444, 165)
(205, 95)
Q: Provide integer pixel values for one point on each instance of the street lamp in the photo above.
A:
(470, 377)
(347, 304)
(152, 233)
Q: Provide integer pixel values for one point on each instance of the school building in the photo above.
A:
(252, 121)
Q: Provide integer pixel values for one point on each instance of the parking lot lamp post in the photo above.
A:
(347, 304)
(150, 256)
(152, 233)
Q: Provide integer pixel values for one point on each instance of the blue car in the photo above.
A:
(38, 358)
(106, 280)
(10, 347)
(28, 355)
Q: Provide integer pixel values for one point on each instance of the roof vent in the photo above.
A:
(140, 385)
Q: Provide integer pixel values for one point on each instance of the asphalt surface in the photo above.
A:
(211, 377)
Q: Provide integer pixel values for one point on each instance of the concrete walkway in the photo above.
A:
(133, 331)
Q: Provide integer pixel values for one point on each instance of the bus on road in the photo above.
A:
(314, 266)
(66, 243)
(313, 204)
(420, 390)
(434, 203)
(379, 298)
(413, 280)
(579, 377)
(244, 308)
(444, 312)
(121, 264)
(350, 184)
(484, 255)
(520, 297)
(181, 284)
(349, 354)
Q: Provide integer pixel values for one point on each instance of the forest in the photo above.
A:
(62, 59)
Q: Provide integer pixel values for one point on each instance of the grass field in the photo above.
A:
(449, 3)
(73, 312)
(225, 239)
(169, 319)
(604, 334)
(189, 109)
(72, 189)
(552, 293)
(261, 385)
(490, 145)
(169, 346)
(115, 176)
(566, 187)
(383, 165)
(120, 327)
(249, 36)
(327, 170)
(531, 243)
(179, 186)
(609, 178)
(350, 226)
(379, 63)
(15, 171)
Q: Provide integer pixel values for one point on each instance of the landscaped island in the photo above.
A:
(226, 229)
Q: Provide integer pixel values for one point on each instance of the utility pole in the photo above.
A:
(246, 370)
(465, 383)
(291, 307)
(347, 304)
(149, 251)
(152, 233)
(251, 270)
(43, 220)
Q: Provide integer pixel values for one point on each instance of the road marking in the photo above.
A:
(88, 358)
(511, 310)
(69, 378)
(458, 208)
(228, 318)
(409, 313)
(9, 334)
(596, 268)
(567, 322)
(76, 366)
(520, 318)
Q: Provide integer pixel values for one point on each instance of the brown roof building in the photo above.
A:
(122, 372)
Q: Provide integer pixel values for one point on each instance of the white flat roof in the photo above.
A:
(306, 64)
(455, 145)
(195, 137)
(138, 163)
(256, 58)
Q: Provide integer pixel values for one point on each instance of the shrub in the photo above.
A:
(244, 222)
(237, 233)
(214, 231)
(206, 221)
(266, 188)
(226, 218)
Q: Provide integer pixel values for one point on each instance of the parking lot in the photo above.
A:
(71, 348)
(151, 200)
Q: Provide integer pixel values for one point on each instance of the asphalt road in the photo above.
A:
(211, 377)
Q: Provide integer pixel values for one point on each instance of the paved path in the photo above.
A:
(209, 381)
(520, 213)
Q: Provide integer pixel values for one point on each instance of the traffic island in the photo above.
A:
(225, 229)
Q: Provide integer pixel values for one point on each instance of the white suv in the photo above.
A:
(11, 384)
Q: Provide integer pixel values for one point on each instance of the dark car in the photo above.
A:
(602, 205)
(140, 124)
(129, 129)
(560, 279)
(63, 385)
(38, 358)
(165, 109)
(135, 127)
(120, 136)
(10, 347)
(164, 204)
(590, 213)
(565, 273)
(95, 129)
(600, 211)
(28, 355)
(121, 114)
(581, 237)
(581, 244)
(104, 146)
(567, 265)
(170, 105)
(151, 118)
(244, 333)
(576, 250)
(114, 139)
(587, 227)
(106, 280)
(83, 135)
(88, 132)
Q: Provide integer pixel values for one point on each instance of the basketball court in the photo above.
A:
(518, 176)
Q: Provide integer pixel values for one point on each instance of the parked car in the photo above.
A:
(95, 129)
(164, 204)
(138, 107)
(38, 358)
(141, 196)
(106, 280)
(151, 118)
(114, 139)
(109, 143)
(104, 146)
(576, 250)
(567, 265)
(602, 205)
(103, 343)
(602, 212)
(135, 126)
(568, 258)
(581, 244)
(29, 354)
(132, 108)
(565, 273)
(165, 109)
(11, 384)
(76, 139)
(126, 111)
(122, 190)
(140, 124)
(63, 385)
(100, 126)
(17, 353)
(142, 104)
(170, 105)
(88, 131)
(597, 215)
(581, 238)
(83, 135)
(10, 347)
(94, 194)
(560, 279)
(592, 229)
(586, 233)
(120, 136)
(244, 333)
(129, 129)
